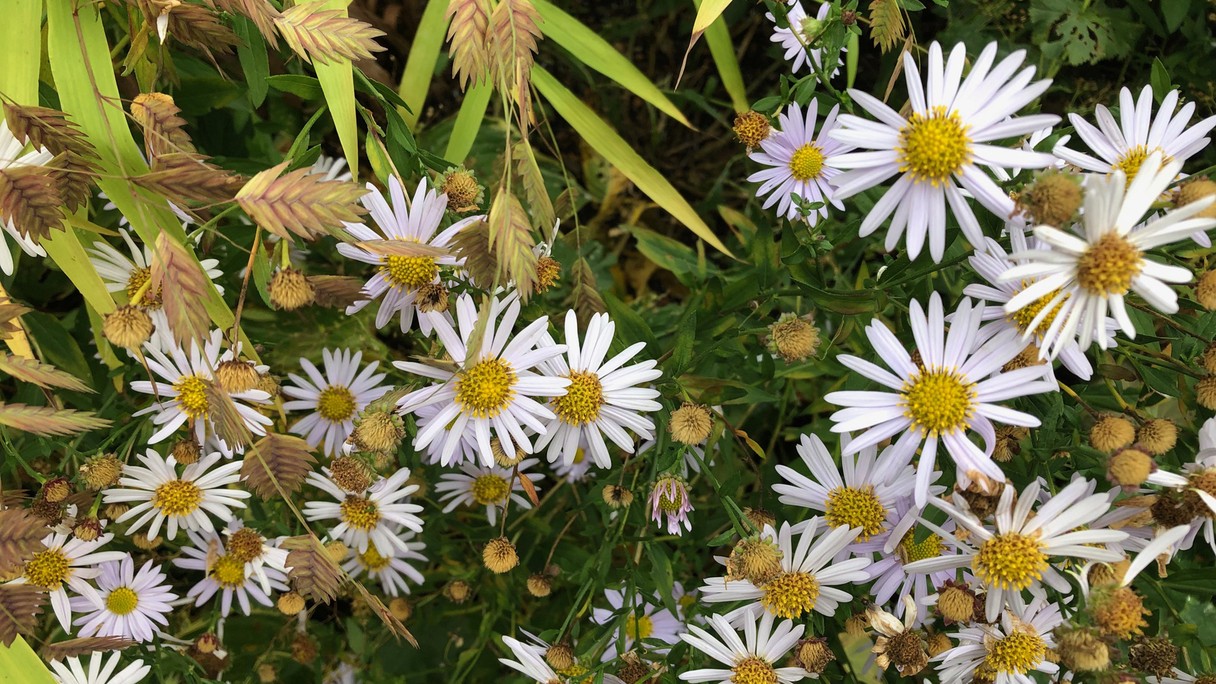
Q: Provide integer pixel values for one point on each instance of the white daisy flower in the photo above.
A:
(398, 278)
(334, 398)
(603, 398)
(187, 501)
(131, 603)
(530, 661)
(1196, 485)
(100, 670)
(577, 469)
(795, 44)
(466, 447)
(865, 498)
(488, 486)
(259, 553)
(181, 390)
(1006, 652)
(940, 149)
(368, 517)
(1028, 145)
(1082, 278)
(330, 168)
(952, 392)
(893, 583)
(808, 579)
(390, 571)
(67, 563)
(991, 263)
(1179, 677)
(1125, 145)
(801, 162)
(13, 155)
(750, 660)
(645, 620)
(130, 274)
(492, 393)
(225, 573)
(1016, 554)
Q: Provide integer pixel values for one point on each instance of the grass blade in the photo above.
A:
(420, 63)
(717, 36)
(337, 79)
(468, 121)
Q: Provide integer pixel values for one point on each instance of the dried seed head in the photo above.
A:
(617, 496)
(1129, 467)
(115, 510)
(1205, 392)
(269, 384)
(146, 544)
(956, 603)
(457, 591)
(1029, 356)
(350, 474)
(905, 650)
(1118, 611)
(1154, 655)
(548, 271)
(290, 603)
(760, 517)
(1157, 436)
(462, 189)
(1205, 290)
(632, 669)
(1172, 509)
(1052, 199)
(539, 585)
(937, 644)
(379, 431)
(303, 649)
(1081, 650)
(401, 608)
(289, 290)
(793, 338)
(754, 559)
(432, 298)
(56, 489)
(127, 326)
(813, 654)
(207, 643)
(560, 656)
(499, 555)
(1195, 190)
(185, 451)
(752, 128)
(87, 529)
(1111, 433)
(1208, 358)
(1007, 442)
(502, 458)
(267, 673)
(235, 376)
(49, 511)
(981, 502)
(101, 472)
(246, 544)
(857, 624)
(690, 424)
(336, 550)
(1107, 573)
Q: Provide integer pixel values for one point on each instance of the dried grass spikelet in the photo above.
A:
(261, 12)
(183, 285)
(127, 327)
(317, 33)
(512, 37)
(41, 374)
(1157, 436)
(30, 199)
(290, 289)
(189, 176)
(83, 646)
(299, 202)
(313, 573)
(511, 241)
(277, 462)
(20, 605)
(499, 555)
(20, 538)
(585, 296)
(49, 421)
(1111, 433)
(336, 292)
(536, 193)
(9, 313)
(200, 28)
(76, 161)
(472, 245)
(164, 131)
(467, 31)
(224, 417)
(887, 27)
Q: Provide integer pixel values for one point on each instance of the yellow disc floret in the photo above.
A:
(939, 401)
(856, 507)
(910, 550)
(122, 601)
(360, 513)
(1109, 265)
(806, 163)
(48, 569)
(228, 572)
(1024, 316)
(583, 399)
(336, 403)
(1010, 561)
(177, 498)
(489, 489)
(1018, 653)
(192, 395)
(753, 670)
(372, 560)
(486, 388)
(790, 594)
(933, 146)
(409, 272)
(638, 627)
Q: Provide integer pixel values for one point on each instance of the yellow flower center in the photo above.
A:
(410, 272)
(583, 399)
(1109, 265)
(135, 281)
(806, 163)
(1010, 561)
(485, 389)
(1018, 653)
(790, 594)
(228, 572)
(48, 569)
(939, 401)
(1131, 160)
(336, 404)
(911, 550)
(638, 627)
(1024, 316)
(360, 513)
(177, 498)
(933, 146)
(372, 560)
(853, 507)
(490, 489)
(671, 499)
(753, 670)
(192, 396)
(122, 601)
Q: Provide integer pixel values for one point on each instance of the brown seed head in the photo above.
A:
(185, 451)
(752, 128)
(1153, 655)
(617, 496)
(560, 656)
(813, 654)
(350, 474)
(1195, 190)
(1081, 650)
(142, 541)
(956, 603)
(87, 529)
(1157, 436)
(1205, 290)
(461, 187)
(499, 555)
(379, 431)
(432, 298)
(760, 517)
(502, 458)
(548, 271)
(1129, 467)
(207, 643)
(690, 424)
(303, 649)
(793, 338)
(457, 591)
(1208, 358)
(56, 489)
(127, 326)
(937, 644)
(1052, 199)
(267, 673)
(1118, 611)
(101, 472)
(401, 609)
(290, 603)
(246, 544)
(235, 376)
(289, 290)
(1111, 433)
(755, 559)
(539, 585)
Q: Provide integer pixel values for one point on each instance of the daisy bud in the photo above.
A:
(760, 517)
(1111, 433)
(246, 545)
(1208, 359)
(1195, 190)
(956, 603)
(848, 17)
(303, 649)
(548, 270)
(1129, 467)
(616, 496)
(56, 489)
(87, 529)
(1157, 436)
(793, 338)
(463, 191)
(1155, 655)
(350, 474)
(267, 673)
(290, 603)
(670, 498)
(502, 458)
(813, 654)
(539, 585)
(432, 298)
(690, 424)
(938, 643)
(756, 559)
(290, 290)
(752, 128)
(336, 550)
(207, 643)
(379, 431)
(499, 555)
(1118, 611)
(400, 609)
(1205, 290)
(1081, 650)
(457, 591)
(1205, 392)
(1052, 199)
(560, 656)
(101, 472)
(127, 326)
(235, 376)
(146, 543)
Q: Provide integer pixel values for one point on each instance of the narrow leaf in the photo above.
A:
(421, 60)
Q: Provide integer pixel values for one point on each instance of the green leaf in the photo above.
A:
(305, 87)
(337, 78)
(717, 36)
(681, 353)
(632, 327)
(420, 63)
(662, 576)
(468, 121)
(20, 665)
(66, 250)
(588, 47)
(21, 36)
(600, 136)
(1174, 12)
(57, 345)
(708, 13)
(672, 255)
(1160, 80)
(254, 60)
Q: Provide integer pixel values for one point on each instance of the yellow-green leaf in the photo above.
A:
(468, 121)
(589, 48)
(717, 36)
(420, 63)
(600, 136)
(337, 79)
(65, 248)
(20, 665)
(21, 36)
(707, 14)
